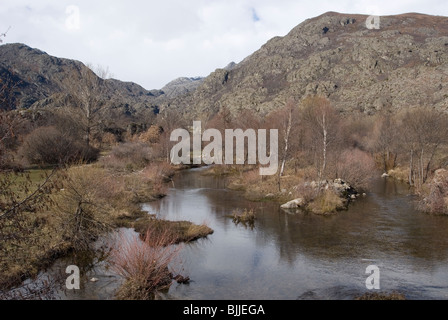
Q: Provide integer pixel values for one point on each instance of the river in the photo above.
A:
(301, 255)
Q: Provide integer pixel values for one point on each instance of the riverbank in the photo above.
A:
(78, 204)
(432, 194)
(304, 256)
(295, 190)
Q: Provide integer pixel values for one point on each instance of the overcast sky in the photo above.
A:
(154, 42)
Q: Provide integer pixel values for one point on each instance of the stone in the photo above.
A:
(293, 204)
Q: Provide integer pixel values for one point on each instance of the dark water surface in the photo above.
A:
(301, 255)
(305, 256)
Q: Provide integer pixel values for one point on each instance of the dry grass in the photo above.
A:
(326, 203)
(256, 187)
(179, 231)
(399, 173)
(129, 156)
(246, 216)
(144, 264)
(381, 296)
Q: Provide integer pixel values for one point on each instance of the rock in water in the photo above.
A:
(296, 203)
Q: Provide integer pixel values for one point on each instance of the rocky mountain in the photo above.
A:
(36, 79)
(402, 64)
(181, 86)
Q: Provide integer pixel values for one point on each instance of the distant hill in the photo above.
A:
(401, 65)
(37, 79)
(181, 86)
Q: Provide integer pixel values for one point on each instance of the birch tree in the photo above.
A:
(321, 121)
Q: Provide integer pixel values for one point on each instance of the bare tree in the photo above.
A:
(385, 140)
(321, 121)
(88, 90)
(424, 131)
(11, 122)
(4, 34)
(168, 121)
(287, 121)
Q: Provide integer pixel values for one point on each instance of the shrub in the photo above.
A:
(356, 167)
(48, 146)
(158, 171)
(247, 216)
(152, 135)
(128, 156)
(436, 199)
(144, 264)
(81, 208)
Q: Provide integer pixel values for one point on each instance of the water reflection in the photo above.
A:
(304, 255)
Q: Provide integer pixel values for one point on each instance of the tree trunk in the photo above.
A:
(324, 165)
(411, 164)
(288, 131)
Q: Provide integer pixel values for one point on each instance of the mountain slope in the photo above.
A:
(403, 64)
(36, 79)
(181, 86)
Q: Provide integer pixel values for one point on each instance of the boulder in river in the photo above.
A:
(293, 204)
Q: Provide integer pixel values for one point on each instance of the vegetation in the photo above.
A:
(246, 217)
(317, 144)
(178, 231)
(45, 214)
(99, 169)
(326, 203)
(381, 296)
(145, 265)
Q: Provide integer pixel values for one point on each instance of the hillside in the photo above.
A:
(401, 65)
(36, 79)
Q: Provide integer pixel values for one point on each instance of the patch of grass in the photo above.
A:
(399, 173)
(180, 231)
(247, 216)
(326, 203)
(32, 176)
(145, 263)
(381, 296)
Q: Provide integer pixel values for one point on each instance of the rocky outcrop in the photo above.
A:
(36, 80)
(401, 65)
(181, 86)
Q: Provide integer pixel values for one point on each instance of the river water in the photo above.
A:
(300, 255)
